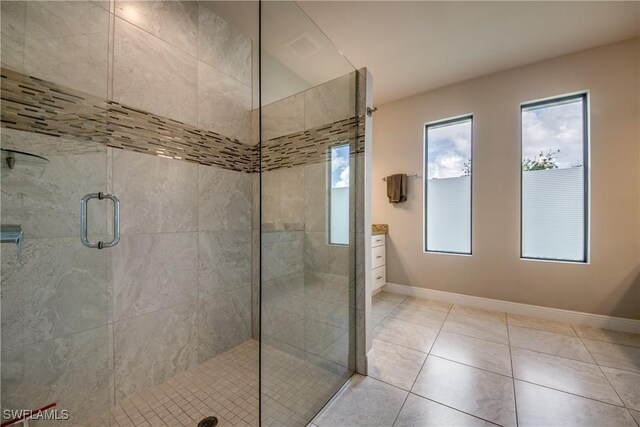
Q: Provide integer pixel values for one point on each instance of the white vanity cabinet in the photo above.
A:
(378, 261)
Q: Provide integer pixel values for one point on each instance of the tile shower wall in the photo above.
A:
(182, 271)
(179, 281)
(54, 302)
(305, 286)
(184, 262)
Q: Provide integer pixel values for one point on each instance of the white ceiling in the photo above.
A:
(411, 47)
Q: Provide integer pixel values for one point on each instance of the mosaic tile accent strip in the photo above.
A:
(34, 105)
(312, 145)
(143, 132)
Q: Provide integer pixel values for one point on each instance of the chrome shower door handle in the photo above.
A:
(83, 220)
(116, 221)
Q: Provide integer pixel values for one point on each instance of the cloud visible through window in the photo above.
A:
(340, 166)
(556, 129)
(448, 150)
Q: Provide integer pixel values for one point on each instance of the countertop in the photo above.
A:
(379, 229)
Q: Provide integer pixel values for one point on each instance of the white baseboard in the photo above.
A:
(568, 316)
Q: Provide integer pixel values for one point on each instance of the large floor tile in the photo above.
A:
(425, 302)
(486, 328)
(572, 376)
(421, 311)
(418, 411)
(541, 406)
(390, 296)
(382, 306)
(471, 390)
(376, 319)
(614, 355)
(396, 365)
(607, 335)
(363, 402)
(549, 342)
(540, 324)
(406, 334)
(627, 384)
(468, 311)
(473, 351)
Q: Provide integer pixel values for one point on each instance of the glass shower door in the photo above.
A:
(54, 289)
(308, 170)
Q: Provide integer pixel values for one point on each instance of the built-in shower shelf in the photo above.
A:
(11, 157)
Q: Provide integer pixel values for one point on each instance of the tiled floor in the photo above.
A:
(295, 388)
(225, 386)
(435, 364)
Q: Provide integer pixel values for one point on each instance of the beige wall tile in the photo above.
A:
(224, 104)
(154, 271)
(175, 22)
(156, 194)
(153, 75)
(222, 46)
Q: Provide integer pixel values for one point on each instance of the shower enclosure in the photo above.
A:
(182, 188)
(311, 163)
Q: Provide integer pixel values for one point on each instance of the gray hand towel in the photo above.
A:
(397, 188)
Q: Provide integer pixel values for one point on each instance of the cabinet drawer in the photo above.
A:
(377, 240)
(377, 257)
(379, 276)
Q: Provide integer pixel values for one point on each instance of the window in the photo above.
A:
(339, 196)
(448, 186)
(554, 194)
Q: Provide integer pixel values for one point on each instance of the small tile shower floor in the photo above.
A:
(440, 364)
(226, 386)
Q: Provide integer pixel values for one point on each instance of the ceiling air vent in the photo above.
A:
(303, 46)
